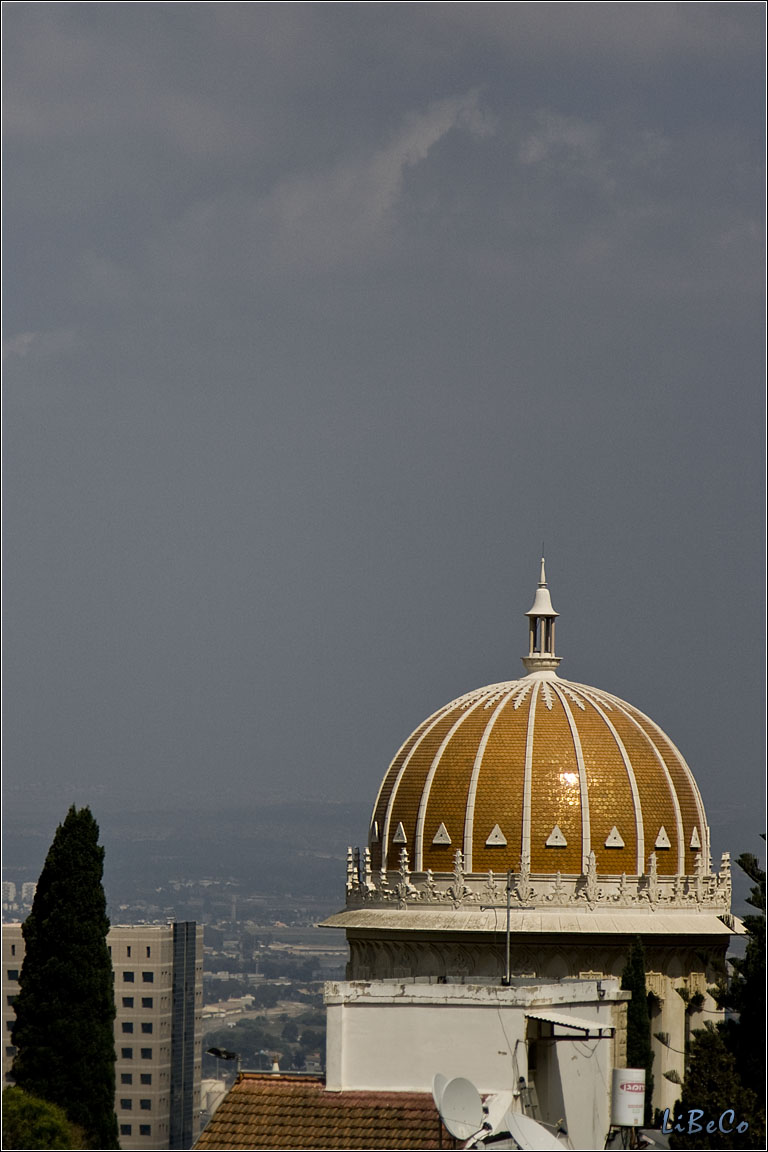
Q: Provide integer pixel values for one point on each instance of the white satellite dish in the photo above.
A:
(496, 1108)
(529, 1134)
(461, 1108)
(438, 1084)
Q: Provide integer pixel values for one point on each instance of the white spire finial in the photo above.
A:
(541, 630)
(542, 602)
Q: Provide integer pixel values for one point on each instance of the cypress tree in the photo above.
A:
(65, 1009)
(639, 1054)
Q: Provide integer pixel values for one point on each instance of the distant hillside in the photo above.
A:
(296, 848)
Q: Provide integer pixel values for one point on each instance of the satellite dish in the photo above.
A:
(529, 1134)
(461, 1108)
(496, 1108)
(438, 1084)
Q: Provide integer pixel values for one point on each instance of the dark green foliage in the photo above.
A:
(745, 993)
(726, 1064)
(744, 1037)
(29, 1122)
(65, 1009)
(266, 995)
(639, 1054)
(258, 1041)
(712, 1086)
(290, 1031)
(273, 968)
(312, 1041)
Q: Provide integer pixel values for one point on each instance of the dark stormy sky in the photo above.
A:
(319, 320)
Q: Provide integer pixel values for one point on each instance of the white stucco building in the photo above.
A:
(564, 1037)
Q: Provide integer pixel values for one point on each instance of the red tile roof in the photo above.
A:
(269, 1110)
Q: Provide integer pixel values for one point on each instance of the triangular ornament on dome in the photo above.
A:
(614, 839)
(496, 838)
(695, 841)
(441, 836)
(375, 832)
(662, 840)
(556, 838)
(399, 836)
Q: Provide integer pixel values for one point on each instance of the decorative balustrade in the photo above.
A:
(405, 889)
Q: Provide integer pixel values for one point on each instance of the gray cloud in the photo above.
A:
(322, 317)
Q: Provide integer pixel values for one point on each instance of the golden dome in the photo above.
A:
(541, 770)
(541, 767)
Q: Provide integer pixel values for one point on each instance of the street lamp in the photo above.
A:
(224, 1054)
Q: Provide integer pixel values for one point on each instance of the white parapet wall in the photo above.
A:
(395, 1035)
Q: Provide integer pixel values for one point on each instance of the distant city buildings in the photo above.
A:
(18, 898)
(158, 1028)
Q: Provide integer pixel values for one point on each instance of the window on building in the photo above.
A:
(128, 950)
(13, 973)
(126, 1104)
(126, 1077)
(127, 1026)
(13, 949)
(128, 977)
(146, 1028)
(146, 1001)
(125, 1129)
(145, 1129)
(9, 1025)
(149, 951)
(10, 1050)
(126, 1053)
(145, 1105)
(148, 977)
(11, 1000)
(146, 1053)
(146, 1077)
(127, 1001)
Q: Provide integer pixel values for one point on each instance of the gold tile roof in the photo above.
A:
(545, 768)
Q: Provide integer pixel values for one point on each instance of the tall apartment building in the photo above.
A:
(158, 970)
